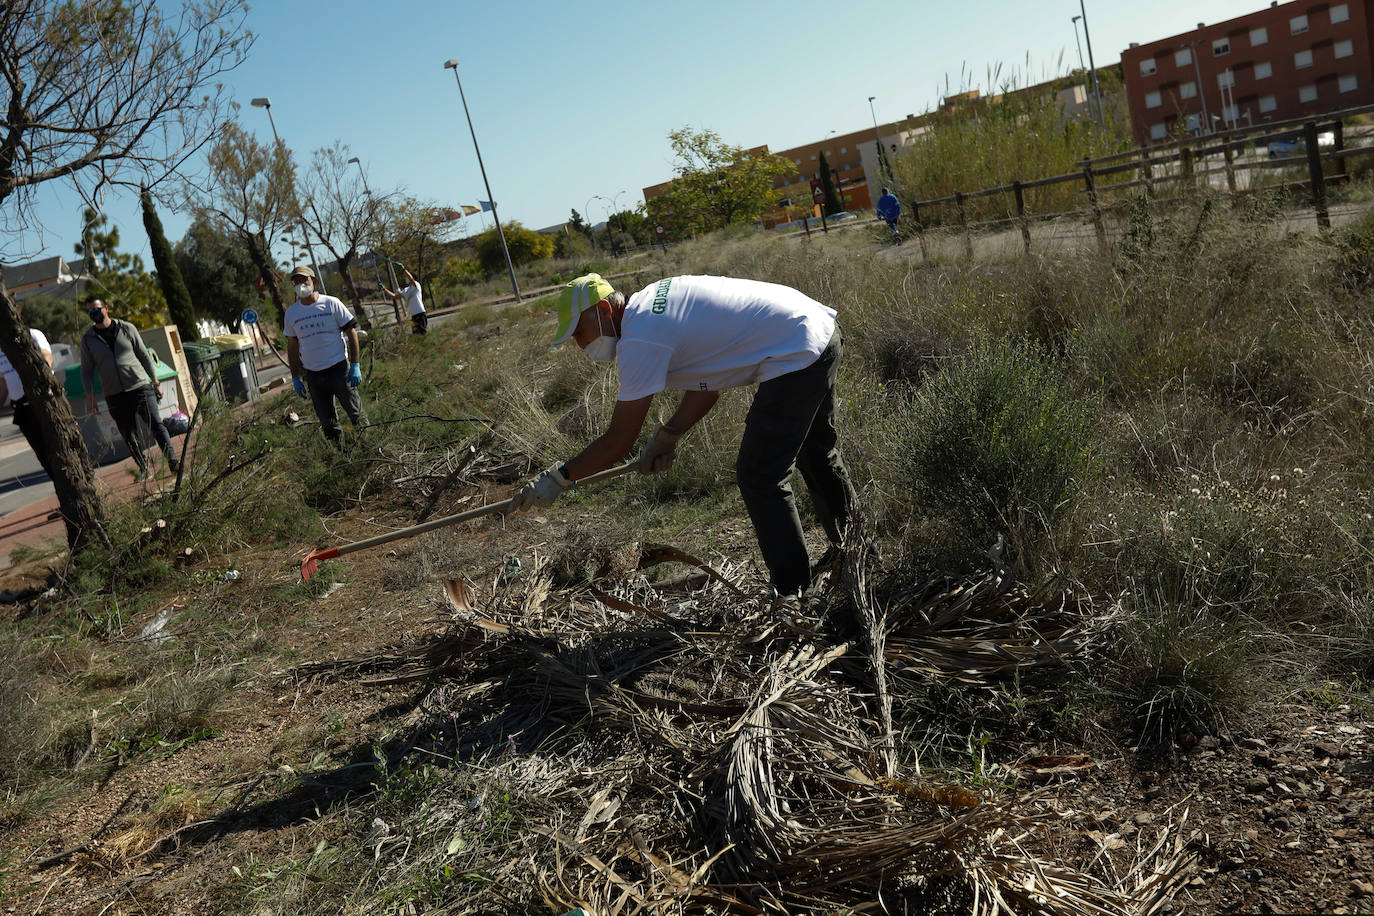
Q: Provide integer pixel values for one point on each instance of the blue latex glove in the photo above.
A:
(355, 375)
(299, 385)
(543, 491)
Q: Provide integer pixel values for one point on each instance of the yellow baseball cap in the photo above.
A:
(578, 296)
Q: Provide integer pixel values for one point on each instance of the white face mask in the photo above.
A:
(304, 290)
(602, 350)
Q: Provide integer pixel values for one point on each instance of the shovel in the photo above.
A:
(311, 563)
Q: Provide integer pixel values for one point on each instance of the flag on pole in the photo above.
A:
(469, 209)
(486, 205)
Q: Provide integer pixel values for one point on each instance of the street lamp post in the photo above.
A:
(1087, 88)
(452, 64)
(390, 270)
(614, 205)
(1097, 89)
(878, 143)
(265, 102)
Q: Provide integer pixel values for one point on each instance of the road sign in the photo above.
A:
(249, 316)
(659, 230)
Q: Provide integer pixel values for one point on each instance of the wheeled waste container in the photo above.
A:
(238, 369)
(203, 360)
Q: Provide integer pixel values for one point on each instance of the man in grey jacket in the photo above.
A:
(114, 349)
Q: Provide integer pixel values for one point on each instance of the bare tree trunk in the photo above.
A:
(346, 271)
(259, 258)
(73, 477)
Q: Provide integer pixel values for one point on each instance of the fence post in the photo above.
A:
(920, 228)
(963, 222)
(1314, 169)
(1338, 129)
(1091, 186)
(1149, 177)
(1230, 169)
(1020, 196)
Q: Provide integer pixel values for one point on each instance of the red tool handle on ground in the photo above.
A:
(312, 560)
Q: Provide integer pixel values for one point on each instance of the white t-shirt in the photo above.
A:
(709, 333)
(319, 328)
(412, 294)
(11, 374)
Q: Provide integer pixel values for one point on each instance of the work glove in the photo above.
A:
(659, 451)
(543, 491)
(355, 375)
(299, 384)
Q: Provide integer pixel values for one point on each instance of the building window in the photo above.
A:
(1348, 83)
(1307, 93)
(1183, 57)
(1152, 99)
(1263, 70)
(1297, 25)
(1187, 90)
(1267, 103)
(1147, 67)
(1259, 36)
(1302, 60)
(1159, 131)
(813, 158)
(1344, 48)
(1221, 46)
(1340, 13)
(1226, 79)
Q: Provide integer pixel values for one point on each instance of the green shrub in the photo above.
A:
(997, 442)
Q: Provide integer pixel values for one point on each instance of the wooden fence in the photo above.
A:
(1157, 169)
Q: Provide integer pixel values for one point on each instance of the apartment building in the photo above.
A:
(1288, 60)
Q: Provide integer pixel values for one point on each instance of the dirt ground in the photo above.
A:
(1281, 811)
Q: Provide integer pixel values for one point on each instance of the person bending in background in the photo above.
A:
(113, 348)
(414, 302)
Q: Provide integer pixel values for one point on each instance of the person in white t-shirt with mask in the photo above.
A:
(414, 301)
(322, 350)
(12, 389)
(701, 335)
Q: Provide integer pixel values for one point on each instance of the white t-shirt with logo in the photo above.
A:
(319, 328)
(16, 385)
(710, 333)
(413, 300)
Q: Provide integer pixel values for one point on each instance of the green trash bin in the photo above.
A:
(203, 360)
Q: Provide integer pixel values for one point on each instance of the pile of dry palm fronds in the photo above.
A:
(710, 752)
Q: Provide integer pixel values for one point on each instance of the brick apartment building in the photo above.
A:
(1289, 60)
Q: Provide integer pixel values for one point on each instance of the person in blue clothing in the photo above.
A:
(889, 209)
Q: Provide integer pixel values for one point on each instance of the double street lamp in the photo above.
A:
(390, 270)
(265, 102)
(452, 64)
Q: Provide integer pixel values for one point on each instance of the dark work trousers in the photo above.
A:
(792, 424)
(135, 413)
(421, 322)
(326, 385)
(29, 425)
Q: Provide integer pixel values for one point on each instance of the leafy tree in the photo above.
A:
(571, 244)
(250, 194)
(130, 291)
(168, 276)
(219, 274)
(833, 204)
(577, 224)
(717, 184)
(59, 318)
(408, 231)
(115, 94)
(525, 245)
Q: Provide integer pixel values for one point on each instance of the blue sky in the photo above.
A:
(574, 100)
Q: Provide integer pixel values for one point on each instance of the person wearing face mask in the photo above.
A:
(322, 350)
(701, 335)
(113, 347)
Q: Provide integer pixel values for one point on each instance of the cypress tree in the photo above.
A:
(829, 185)
(168, 274)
